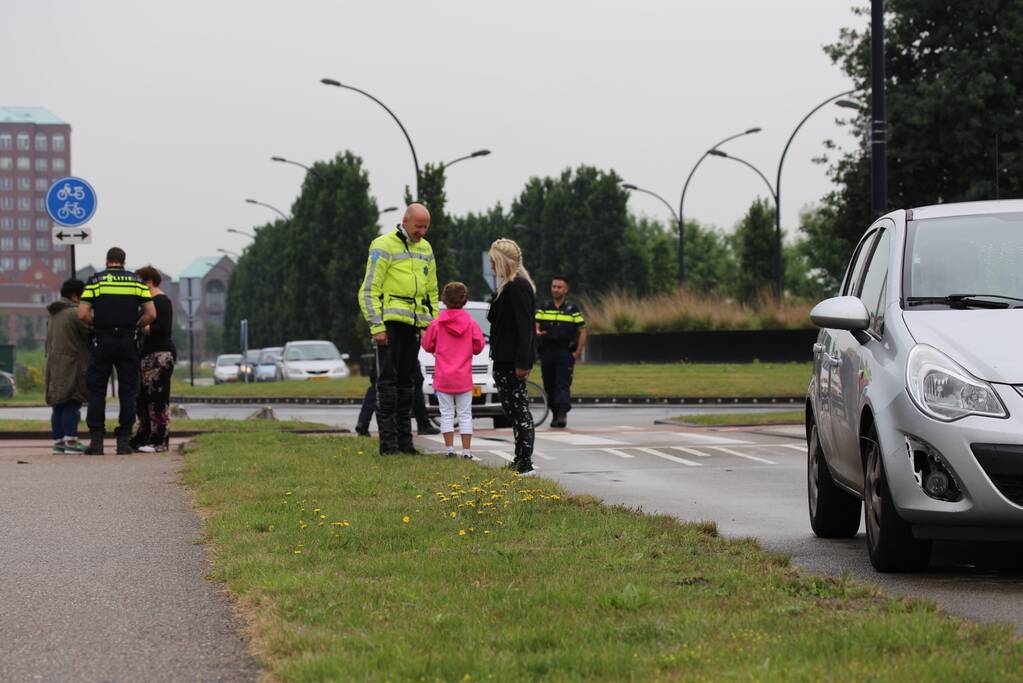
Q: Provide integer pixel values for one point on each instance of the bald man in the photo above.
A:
(399, 299)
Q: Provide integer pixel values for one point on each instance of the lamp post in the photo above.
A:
(781, 162)
(268, 206)
(630, 186)
(477, 153)
(229, 253)
(682, 201)
(415, 159)
(878, 125)
(242, 232)
(308, 169)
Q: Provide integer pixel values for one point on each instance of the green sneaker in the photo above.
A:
(75, 447)
(58, 448)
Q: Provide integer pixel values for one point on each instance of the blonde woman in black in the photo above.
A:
(513, 344)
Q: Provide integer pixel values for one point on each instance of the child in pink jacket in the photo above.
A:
(454, 338)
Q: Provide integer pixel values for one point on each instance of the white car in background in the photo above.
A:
(312, 359)
(226, 368)
(484, 397)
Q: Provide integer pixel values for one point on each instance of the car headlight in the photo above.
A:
(944, 390)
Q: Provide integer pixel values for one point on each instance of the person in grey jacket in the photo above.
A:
(67, 357)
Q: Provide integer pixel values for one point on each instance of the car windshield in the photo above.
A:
(224, 361)
(480, 316)
(321, 351)
(269, 356)
(252, 355)
(965, 261)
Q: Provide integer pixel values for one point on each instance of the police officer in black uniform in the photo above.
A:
(116, 303)
(562, 333)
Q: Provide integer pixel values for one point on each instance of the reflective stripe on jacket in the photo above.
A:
(559, 325)
(400, 283)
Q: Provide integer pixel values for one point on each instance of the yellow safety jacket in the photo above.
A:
(400, 283)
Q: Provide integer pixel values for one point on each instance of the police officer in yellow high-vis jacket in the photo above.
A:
(398, 299)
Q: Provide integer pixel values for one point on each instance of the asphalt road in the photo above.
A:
(751, 483)
(100, 577)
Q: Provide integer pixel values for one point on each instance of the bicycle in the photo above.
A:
(77, 192)
(70, 210)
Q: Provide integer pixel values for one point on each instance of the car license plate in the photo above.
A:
(319, 377)
(477, 391)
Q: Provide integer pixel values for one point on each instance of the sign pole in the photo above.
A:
(191, 338)
(74, 269)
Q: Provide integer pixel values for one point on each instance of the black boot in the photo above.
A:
(425, 428)
(403, 420)
(386, 400)
(558, 419)
(123, 442)
(95, 446)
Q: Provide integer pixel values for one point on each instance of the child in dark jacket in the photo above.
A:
(454, 338)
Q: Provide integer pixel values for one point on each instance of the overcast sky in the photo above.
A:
(177, 107)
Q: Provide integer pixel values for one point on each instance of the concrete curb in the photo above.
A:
(576, 400)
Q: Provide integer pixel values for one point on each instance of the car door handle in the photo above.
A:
(818, 347)
(834, 361)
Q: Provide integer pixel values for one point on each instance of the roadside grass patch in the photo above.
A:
(360, 568)
(741, 419)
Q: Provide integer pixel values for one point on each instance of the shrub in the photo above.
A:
(683, 310)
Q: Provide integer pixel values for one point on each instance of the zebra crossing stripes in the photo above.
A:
(747, 456)
(618, 453)
(672, 458)
(691, 451)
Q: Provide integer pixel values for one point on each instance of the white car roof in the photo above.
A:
(307, 342)
(966, 209)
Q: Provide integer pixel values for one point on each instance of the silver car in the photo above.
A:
(915, 406)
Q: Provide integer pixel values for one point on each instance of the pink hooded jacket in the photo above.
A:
(453, 338)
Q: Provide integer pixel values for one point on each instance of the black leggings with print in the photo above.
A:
(512, 393)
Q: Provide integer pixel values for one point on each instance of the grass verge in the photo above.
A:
(202, 425)
(353, 567)
(741, 419)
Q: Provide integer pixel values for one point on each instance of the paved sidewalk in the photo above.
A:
(100, 576)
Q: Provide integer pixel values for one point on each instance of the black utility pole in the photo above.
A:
(74, 266)
(878, 163)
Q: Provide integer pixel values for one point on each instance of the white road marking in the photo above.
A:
(543, 456)
(732, 451)
(681, 461)
(801, 449)
(690, 451)
(620, 454)
(580, 439)
(502, 454)
(433, 437)
(699, 439)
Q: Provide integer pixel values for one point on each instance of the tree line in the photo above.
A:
(953, 79)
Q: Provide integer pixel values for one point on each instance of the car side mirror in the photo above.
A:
(841, 313)
(344, 356)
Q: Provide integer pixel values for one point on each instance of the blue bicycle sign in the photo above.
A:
(71, 201)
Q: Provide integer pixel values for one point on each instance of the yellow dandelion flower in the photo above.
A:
(323, 516)
(405, 519)
(453, 514)
(461, 532)
(418, 496)
(287, 493)
(486, 531)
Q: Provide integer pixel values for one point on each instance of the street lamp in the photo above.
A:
(229, 253)
(309, 169)
(268, 206)
(630, 186)
(777, 181)
(477, 153)
(241, 232)
(682, 201)
(415, 159)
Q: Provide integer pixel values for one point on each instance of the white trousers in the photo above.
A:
(452, 405)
